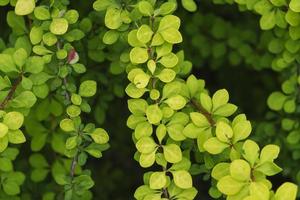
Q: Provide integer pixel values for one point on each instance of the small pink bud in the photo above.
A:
(73, 57)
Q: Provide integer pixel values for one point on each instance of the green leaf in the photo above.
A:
(251, 151)
(268, 20)
(137, 106)
(4, 2)
(241, 130)
(184, 164)
(38, 175)
(3, 143)
(199, 119)
(192, 84)
(206, 102)
(100, 136)
(220, 98)
(161, 132)
(88, 88)
(113, 18)
(154, 114)
(167, 75)
(144, 34)
(16, 136)
(34, 65)
(38, 142)
(192, 131)
(141, 80)
(220, 170)
(38, 161)
(259, 190)
(229, 186)
(36, 34)
(293, 18)
(7, 63)
(138, 55)
(169, 21)
(182, 179)
(146, 145)
(172, 153)
(17, 23)
(157, 180)
(111, 37)
(24, 7)
(225, 110)
(142, 191)
(50, 39)
(167, 8)
(157, 40)
(240, 170)
(176, 102)
(276, 100)
(6, 165)
(71, 142)
(143, 129)
(145, 8)
(215, 146)
(73, 111)
(20, 57)
(42, 13)
(171, 35)
(72, 16)
(269, 168)
(170, 60)
(286, 191)
(13, 120)
(24, 100)
(101, 5)
(59, 26)
(269, 153)
(147, 160)
(76, 99)
(294, 5)
(189, 5)
(11, 188)
(224, 132)
(3, 130)
(67, 125)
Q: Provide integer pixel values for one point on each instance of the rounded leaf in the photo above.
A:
(214, 146)
(146, 145)
(138, 55)
(229, 186)
(182, 179)
(13, 120)
(154, 114)
(100, 136)
(157, 180)
(59, 26)
(172, 153)
(224, 131)
(24, 7)
(240, 170)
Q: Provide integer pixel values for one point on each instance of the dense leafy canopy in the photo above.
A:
(50, 97)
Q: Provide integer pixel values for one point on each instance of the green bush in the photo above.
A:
(111, 79)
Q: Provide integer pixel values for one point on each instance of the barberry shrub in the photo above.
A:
(63, 64)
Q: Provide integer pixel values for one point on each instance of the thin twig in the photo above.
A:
(67, 93)
(11, 92)
(73, 166)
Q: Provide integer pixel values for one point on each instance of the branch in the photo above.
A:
(200, 109)
(11, 92)
(73, 166)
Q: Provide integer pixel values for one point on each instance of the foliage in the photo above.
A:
(50, 97)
